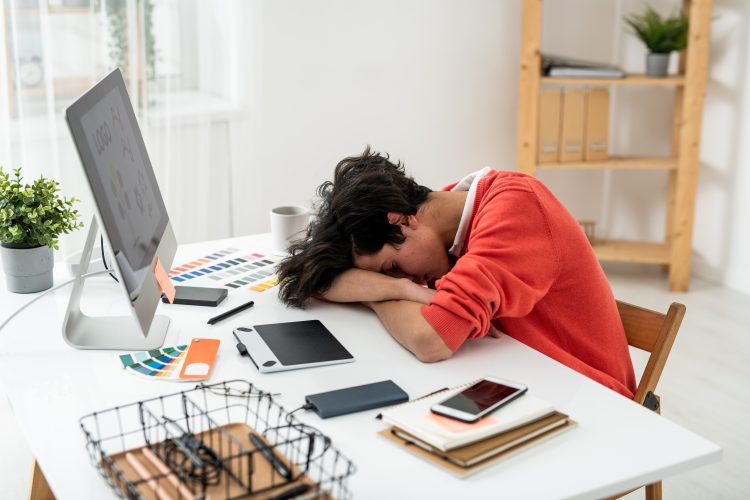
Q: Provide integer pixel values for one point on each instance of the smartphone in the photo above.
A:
(481, 398)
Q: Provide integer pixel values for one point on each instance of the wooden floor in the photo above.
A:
(705, 386)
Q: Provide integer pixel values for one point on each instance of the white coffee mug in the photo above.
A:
(288, 224)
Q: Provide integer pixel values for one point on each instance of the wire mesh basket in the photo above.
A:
(224, 440)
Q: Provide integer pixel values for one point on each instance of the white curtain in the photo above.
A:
(178, 58)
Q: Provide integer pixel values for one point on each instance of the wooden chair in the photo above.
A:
(653, 332)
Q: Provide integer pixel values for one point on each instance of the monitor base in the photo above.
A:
(117, 333)
(106, 332)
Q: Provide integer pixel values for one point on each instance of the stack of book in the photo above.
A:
(463, 448)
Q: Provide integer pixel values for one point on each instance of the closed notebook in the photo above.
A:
(438, 458)
(445, 433)
(470, 454)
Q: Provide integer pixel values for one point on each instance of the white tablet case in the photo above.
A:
(277, 347)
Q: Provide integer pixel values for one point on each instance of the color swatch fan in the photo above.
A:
(177, 363)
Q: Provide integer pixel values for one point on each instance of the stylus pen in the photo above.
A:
(230, 312)
(267, 452)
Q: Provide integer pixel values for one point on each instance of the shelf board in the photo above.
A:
(623, 162)
(628, 79)
(632, 251)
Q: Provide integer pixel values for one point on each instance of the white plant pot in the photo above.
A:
(27, 270)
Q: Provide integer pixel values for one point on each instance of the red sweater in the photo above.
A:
(528, 267)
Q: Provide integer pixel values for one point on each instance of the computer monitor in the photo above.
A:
(132, 215)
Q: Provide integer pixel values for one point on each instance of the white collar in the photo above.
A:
(468, 183)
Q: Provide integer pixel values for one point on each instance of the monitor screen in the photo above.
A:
(122, 181)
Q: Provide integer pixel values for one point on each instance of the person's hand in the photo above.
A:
(358, 285)
(416, 293)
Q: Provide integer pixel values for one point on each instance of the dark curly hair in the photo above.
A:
(351, 218)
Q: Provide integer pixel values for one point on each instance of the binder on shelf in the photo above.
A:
(549, 125)
(571, 133)
(597, 125)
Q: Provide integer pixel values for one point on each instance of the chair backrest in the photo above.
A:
(653, 332)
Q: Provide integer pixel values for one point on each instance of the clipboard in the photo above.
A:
(294, 345)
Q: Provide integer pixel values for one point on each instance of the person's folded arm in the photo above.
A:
(404, 321)
(358, 285)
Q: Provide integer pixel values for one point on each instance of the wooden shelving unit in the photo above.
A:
(689, 89)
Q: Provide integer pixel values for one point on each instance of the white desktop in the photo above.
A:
(617, 444)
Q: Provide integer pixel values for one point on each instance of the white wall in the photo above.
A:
(432, 82)
(435, 84)
(722, 239)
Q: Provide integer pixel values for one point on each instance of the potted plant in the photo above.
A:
(661, 35)
(32, 216)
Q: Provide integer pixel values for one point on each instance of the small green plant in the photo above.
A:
(661, 35)
(34, 214)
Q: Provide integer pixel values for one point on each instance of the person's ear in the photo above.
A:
(397, 219)
(411, 221)
(400, 219)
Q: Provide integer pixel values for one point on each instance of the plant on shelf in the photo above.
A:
(32, 217)
(662, 36)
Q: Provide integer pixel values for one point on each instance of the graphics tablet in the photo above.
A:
(288, 346)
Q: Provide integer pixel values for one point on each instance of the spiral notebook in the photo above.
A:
(445, 433)
(464, 449)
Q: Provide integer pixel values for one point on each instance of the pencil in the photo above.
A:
(162, 468)
(143, 472)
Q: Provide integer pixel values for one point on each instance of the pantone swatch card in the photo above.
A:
(177, 363)
(199, 359)
(230, 268)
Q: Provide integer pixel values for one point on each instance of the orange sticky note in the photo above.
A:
(200, 359)
(165, 284)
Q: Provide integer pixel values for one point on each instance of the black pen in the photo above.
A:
(267, 452)
(230, 312)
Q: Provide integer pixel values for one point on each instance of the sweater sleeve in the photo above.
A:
(510, 264)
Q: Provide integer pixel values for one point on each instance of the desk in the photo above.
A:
(616, 446)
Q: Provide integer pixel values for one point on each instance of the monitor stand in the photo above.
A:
(106, 332)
